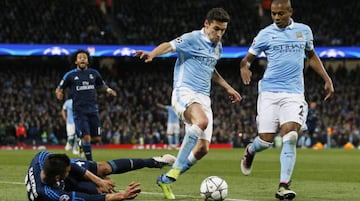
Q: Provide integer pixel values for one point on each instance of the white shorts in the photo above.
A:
(173, 128)
(275, 109)
(70, 129)
(183, 97)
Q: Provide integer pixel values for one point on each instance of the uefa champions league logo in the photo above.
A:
(56, 51)
(124, 52)
(332, 53)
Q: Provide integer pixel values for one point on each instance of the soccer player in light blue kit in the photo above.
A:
(173, 125)
(281, 101)
(198, 52)
(67, 114)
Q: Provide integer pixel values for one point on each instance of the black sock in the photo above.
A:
(125, 165)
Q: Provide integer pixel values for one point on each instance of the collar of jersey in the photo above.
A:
(290, 26)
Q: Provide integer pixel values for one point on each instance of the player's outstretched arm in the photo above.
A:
(103, 185)
(163, 48)
(132, 190)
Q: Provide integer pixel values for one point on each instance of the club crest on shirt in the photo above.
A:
(299, 35)
(91, 76)
(178, 40)
(64, 198)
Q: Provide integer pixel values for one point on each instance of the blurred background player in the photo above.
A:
(198, 53)
(20, 135)
(281, 101)
(83, 83)
(173, 126)
(67, 114)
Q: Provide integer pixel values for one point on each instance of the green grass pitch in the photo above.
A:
(320, 175)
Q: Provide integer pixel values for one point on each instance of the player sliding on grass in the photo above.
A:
(198, 53)
(54, 177)
(281, 99)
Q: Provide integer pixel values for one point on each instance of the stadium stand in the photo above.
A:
(148, 23)
(27, 93)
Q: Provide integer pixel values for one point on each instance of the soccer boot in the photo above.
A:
(246, 161)
(284, 192)
(75, 152)
(164, 160)
(166, 189)
(173, 173)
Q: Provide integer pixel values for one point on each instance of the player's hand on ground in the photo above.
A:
(106, 186)
(245, 75)
(132, 190)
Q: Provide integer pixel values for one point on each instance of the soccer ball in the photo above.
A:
(213, 188)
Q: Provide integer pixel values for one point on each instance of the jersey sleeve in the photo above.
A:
(309, 39)
(182, 43)
(259, 44)
(64, 81)
(99, 80)
(77, 170)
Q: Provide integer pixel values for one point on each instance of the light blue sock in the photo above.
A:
(259, 145)
(176, 139)
(170, 139)
(190, 139)
(288, 156)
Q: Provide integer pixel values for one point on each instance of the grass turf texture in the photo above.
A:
(329, 175)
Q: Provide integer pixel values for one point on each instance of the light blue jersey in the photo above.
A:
(285, 52)
(196, 61)
(172, 117)
(68, 106)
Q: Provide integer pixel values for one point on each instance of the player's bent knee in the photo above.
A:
(104, 169)
(291, 136)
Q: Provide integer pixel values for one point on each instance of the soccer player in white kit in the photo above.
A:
(198, 52)
(281, 101)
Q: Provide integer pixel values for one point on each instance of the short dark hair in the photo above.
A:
(74, 55)
(218, 14)
(55, 164)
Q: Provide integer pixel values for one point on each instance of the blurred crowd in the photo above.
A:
(27, 90)
(143, 22)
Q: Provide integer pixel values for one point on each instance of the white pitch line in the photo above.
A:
(149, 193)
(11, 182)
